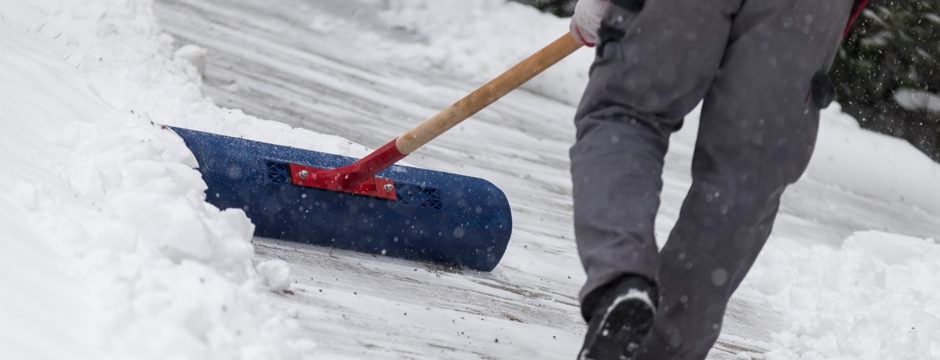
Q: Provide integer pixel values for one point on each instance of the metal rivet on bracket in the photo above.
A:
(303, 174)
(389, 188)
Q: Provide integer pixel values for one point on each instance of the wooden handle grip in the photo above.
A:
(487, 94)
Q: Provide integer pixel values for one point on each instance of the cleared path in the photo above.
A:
(273, 60)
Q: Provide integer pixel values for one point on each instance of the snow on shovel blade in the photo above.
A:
(437, 217)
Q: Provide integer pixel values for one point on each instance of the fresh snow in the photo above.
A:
(111, 252)
(916, 100)
(873, 297)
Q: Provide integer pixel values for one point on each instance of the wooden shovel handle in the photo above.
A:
(487, 94)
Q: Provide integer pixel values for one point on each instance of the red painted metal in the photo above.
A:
(358, 178)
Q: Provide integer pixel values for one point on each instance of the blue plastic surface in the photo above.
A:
(439, 217)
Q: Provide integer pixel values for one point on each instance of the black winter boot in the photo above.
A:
(622, 315)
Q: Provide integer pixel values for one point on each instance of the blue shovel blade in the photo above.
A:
(438, 217)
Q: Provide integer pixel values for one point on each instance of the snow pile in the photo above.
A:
(482, 38)
(877, 297)
(38, 301)
(873, 164)
(131, 66)
(109, 246)
(916, 100)
(275, 274)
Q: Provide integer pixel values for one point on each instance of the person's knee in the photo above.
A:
(801, 154)
(623, 126)
(751, 171)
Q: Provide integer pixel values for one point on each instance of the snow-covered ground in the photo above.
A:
(110, 251)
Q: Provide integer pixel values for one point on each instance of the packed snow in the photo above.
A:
(111, 250)
(873, 297)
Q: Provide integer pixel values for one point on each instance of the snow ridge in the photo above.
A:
(106, 213)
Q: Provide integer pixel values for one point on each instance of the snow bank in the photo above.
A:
(482, 38)
(916, 100)
(873, 164)
(877, 297)
(109, 249)
(34, 285)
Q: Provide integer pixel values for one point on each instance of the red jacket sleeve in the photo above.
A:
(856, 12)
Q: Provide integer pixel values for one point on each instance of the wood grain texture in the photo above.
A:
(487, 94)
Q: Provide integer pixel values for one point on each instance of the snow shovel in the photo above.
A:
(371, 205)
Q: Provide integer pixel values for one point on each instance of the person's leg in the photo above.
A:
(756, 136)
(654, 64)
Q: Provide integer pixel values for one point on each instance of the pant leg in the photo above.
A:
(653, 66)
(756, 136)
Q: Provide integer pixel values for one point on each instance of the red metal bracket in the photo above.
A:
(358, 178)
(331, 179)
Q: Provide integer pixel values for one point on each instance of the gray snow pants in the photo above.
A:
(755, 64)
